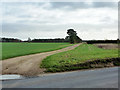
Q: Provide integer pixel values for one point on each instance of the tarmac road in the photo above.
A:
(97, 78)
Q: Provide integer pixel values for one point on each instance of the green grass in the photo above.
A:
(10, 50)
(81, 54)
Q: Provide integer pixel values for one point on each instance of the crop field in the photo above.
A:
(81, 54)
(10, 50)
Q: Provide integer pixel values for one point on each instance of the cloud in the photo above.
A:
(82, 5)
(39, 14)
(52, 19)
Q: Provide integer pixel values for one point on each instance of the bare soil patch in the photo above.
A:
(107, 46)
(29, 65)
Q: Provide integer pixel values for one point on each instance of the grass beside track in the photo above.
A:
(10, 50)
(85, 52)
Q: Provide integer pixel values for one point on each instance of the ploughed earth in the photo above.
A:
(107, 46)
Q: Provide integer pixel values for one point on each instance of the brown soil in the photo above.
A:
(107, 46)
(29, 65)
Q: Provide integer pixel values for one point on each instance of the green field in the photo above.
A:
(83, 53)
(10, 50)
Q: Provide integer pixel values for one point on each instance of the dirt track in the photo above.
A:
(28, 65)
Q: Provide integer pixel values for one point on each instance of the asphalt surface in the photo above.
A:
(97, 78)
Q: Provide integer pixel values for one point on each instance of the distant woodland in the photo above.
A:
(56, 40)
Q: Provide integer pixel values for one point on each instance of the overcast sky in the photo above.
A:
(91, 20)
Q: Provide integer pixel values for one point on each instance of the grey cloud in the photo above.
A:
(17, 27)
(12, 27)
(22, 26)
(80, 5)
(69, 4)
(23, 31)
(105, 4)
(14, 8)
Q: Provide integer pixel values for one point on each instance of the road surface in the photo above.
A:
(97, 78)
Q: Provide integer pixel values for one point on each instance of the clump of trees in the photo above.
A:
(72, 38)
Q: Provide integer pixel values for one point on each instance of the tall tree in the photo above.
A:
(73, 38)
(29, 40)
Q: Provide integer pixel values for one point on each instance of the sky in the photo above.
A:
(91, 20)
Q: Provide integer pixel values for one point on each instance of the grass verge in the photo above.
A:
(81, 57)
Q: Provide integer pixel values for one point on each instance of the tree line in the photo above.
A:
(33, 40)
(57, 40)
(71, 38)
(50, 40)
(10, 40)
(101, 41)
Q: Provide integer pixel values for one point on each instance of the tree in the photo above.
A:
(73, 38)
(29, 40)
(118, 41)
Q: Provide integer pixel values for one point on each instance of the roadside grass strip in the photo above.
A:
(80, 58)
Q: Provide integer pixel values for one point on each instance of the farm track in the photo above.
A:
(29, 65)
